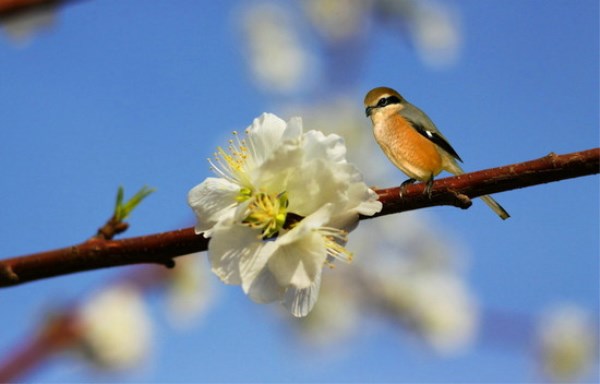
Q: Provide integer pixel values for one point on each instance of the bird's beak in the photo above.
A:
(368, 111)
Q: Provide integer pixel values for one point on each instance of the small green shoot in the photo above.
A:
(122, 210)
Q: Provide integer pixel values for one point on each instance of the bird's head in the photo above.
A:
(382, 101)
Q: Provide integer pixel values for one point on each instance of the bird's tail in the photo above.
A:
(493, 204)
(454, 167)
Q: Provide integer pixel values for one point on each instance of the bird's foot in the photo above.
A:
(428, 186)
(404, 184)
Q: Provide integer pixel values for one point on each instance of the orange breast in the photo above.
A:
(410, 151)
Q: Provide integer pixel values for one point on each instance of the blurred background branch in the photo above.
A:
(13, 8)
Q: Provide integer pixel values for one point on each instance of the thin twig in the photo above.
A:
(54, 336)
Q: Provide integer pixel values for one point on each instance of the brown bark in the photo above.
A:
(163, 247)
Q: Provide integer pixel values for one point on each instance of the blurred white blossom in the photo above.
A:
(116, 330)
(189, 292)
(438, 306)
(568, 343)
(280, 182)
(433, 27)
(415, 278)
(337, 19)
(277, 57)
(284, 57)
(436, 33)
(337, 314)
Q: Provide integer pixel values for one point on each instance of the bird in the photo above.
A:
(412, 142)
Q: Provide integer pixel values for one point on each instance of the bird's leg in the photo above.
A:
(428, 186)
(404, 184)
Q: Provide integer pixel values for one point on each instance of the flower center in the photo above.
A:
(267, 213)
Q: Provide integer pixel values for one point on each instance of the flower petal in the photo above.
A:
(314, 185)
(307, 225)
(211, 200)
(299, 262)
(370, 204)
(300, 301)
(264, 288)
(229, 246)
(252, 264)
(265, 136)
(360, 200)
(330, 147)
(275, 172)
(293, 131)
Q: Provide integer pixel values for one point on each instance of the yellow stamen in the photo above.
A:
(334, 239)
(232, 164)
(267, 213)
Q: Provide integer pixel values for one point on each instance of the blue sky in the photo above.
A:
(127, 93)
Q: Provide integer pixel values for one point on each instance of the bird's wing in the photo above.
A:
(427, 128)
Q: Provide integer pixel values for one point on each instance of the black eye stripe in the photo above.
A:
(388, 100)
(393, 100)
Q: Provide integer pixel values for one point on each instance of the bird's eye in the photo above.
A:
(382, 102)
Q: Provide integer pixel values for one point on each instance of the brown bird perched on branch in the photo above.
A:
(412, 142)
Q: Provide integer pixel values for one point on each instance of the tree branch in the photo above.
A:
(458, 190)
(161, 248)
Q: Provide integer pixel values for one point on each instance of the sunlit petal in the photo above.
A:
(300, 301)
(211, 200)
(228, 247)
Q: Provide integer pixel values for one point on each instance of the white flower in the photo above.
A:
(568, 345)
(280, 210)
(115, 328)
